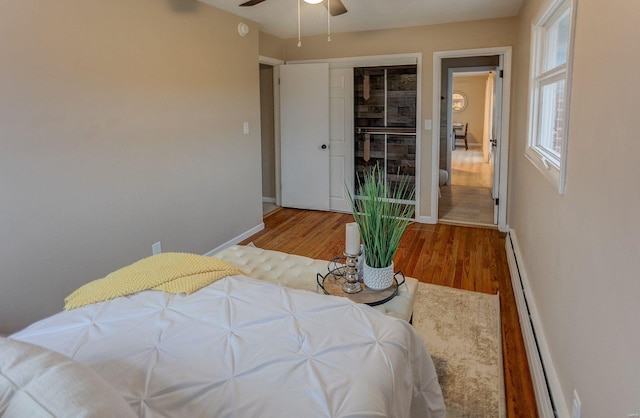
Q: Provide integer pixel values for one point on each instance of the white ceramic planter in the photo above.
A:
(377, 278)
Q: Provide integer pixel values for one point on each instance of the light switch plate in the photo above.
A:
(427, 124)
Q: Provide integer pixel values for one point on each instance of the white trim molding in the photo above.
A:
(234, 241)
(269, 61)
(367, 60)
(548, 392)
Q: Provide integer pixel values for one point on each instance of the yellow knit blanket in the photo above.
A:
(170, 272)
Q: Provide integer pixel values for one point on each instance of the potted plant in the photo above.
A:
(382, 215)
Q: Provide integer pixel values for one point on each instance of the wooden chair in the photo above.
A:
(463, 136)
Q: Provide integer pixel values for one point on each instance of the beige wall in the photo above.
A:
(120, 125)
(474, 88)
(422, 39)
(271, 46)
(582, 250)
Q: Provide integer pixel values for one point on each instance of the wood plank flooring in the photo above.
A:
(468, 168)
(467, 204)
(468, 197)
(455, 256)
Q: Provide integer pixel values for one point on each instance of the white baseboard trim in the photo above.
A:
(268, 199)
(237, 239)
(546, 384)
(426, 220)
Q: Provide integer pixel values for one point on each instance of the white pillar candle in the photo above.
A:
(352, 239)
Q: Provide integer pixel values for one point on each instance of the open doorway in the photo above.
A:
(269, 134)
(466, 196)
(479, 145)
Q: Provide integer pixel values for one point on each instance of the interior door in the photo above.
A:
(304, 130)
(491, 109)
(494, 148)
(341, 137)
(451, 140)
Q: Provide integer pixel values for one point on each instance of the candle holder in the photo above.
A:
(351, 285)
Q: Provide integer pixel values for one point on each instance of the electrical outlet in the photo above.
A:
(577, 405)
(245, 128)
(156, 248)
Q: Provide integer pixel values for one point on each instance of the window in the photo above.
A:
(550, 86)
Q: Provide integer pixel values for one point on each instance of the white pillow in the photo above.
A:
(36, 382)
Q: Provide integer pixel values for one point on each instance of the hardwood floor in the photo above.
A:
(455, 256)
(468, 168)
(468, 197)
(466, 204)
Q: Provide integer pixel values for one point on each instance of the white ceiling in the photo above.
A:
(279, 17)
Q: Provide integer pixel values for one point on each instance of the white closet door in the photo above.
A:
(341, 137)
(304, 104)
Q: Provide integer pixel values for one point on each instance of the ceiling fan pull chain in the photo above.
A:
(299, 41)
(328, 20)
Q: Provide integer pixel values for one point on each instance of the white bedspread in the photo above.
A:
(248, 348)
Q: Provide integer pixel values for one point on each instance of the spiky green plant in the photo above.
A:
(381, 215)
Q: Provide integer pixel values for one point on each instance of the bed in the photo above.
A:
(243, 347)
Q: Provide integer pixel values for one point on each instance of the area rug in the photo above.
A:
(461, 330)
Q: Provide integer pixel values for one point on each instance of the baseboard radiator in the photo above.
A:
(549, 398)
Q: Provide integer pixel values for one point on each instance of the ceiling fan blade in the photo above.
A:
(337, 8)
(251, 3)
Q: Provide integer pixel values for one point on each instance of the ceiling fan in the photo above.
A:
(337, 8)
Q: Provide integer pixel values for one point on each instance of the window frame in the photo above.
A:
(552, 166)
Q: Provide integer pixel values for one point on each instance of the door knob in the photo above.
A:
(324, 146)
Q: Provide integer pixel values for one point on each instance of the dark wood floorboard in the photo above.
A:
(455, 256)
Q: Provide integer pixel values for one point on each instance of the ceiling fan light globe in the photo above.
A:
(313, 1)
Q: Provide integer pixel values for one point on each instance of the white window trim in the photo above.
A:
(548, 165)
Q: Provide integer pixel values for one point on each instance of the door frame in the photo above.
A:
(506, 55)
(275, 63)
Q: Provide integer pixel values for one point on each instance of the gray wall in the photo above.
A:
(120, 125)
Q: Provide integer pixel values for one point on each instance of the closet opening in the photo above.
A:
(385, 100)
